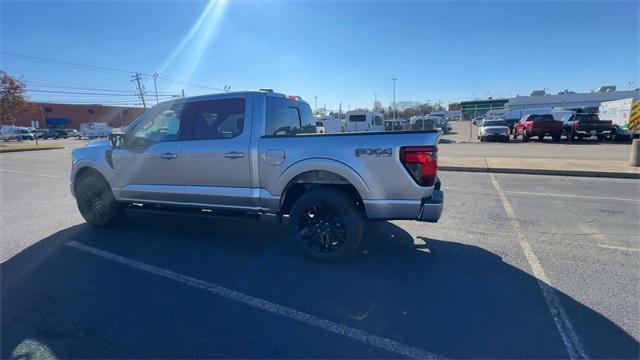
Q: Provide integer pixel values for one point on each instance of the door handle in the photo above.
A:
(168, 156)
(233, 155)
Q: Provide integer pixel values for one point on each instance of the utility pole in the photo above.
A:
(394, 98)
(137, 77)
(316, 104)
(155, 76)
(182, 92)
(340, 109)
(375, 100)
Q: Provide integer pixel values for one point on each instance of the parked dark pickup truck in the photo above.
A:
(584, 125)
(538, 125)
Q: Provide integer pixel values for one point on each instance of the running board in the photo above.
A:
(190, 211)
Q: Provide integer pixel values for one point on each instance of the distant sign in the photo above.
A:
(35, 124)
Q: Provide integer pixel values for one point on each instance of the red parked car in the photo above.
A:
(538, 125)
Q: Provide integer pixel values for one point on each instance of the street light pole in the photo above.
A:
(394, 98)
(155, 76)
(316, 104)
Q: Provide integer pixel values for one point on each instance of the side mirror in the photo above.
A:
(116, 140)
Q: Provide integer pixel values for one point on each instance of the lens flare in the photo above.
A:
(186, 57)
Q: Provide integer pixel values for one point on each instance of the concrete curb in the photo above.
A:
(581, 173)
(39, 148)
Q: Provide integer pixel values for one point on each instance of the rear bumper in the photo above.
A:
(429, 209)
(591, 132)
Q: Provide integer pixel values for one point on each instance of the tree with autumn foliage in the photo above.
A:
(13, 101)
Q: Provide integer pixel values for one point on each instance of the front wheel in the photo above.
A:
(326, 224)
(525, 136)
(96, 202)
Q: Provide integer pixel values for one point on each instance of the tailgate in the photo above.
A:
(596, 126)
(551, 125)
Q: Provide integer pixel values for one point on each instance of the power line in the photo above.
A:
(42, 60)
(96, 68)
(56, 89)
(79, 93)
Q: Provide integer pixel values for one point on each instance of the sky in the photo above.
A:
(340, 51)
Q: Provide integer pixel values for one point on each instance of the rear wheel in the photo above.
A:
(326, 224)
(556, 137)
(525, 136)
(96, 202)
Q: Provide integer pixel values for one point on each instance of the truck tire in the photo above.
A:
(556, 137)
(326, 225)
(96, 202)
(525, 136)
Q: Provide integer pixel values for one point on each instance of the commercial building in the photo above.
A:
(567, 99)
(540, 99)
(471, 109)
(72, 115)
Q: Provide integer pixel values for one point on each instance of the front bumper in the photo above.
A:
(496, 136)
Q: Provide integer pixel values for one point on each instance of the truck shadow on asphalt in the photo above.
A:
(449, 298)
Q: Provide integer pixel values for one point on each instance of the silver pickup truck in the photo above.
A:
(252, 153)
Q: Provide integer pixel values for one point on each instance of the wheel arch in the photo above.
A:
(86, 169)
(320, 174)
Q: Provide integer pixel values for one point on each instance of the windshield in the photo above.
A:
(540, 118)
(587, 118)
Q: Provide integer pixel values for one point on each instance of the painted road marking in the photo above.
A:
(30, 174)
(618, 247)
(544, 194)
(561, 319)
(352, 333)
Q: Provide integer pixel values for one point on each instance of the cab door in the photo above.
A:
(149, 163)
(216, 161)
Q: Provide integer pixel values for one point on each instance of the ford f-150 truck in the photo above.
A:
(584, 125)
(252, 153)
(538, 125)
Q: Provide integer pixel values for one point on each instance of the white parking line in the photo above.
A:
(352, 333)
(545, 194)
(30, 174)
(618, 247)
(569, 337)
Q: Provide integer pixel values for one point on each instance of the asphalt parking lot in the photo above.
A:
(520, 266)
(456, 144)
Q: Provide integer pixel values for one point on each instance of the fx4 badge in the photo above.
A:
(377, 152)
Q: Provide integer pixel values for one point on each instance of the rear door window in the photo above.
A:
(357, 118)
(218, 119)
(288, 117)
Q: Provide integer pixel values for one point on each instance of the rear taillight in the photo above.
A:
(421, 162)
